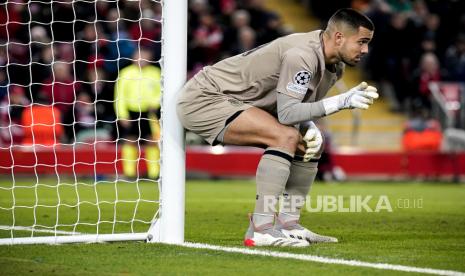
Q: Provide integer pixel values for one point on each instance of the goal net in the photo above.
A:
(88, 131)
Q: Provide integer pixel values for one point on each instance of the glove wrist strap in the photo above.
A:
(331, 105)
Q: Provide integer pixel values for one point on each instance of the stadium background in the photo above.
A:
(365, 145)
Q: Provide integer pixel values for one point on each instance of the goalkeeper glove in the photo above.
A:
(314, 142)
(361, 96)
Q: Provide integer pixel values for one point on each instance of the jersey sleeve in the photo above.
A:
(298, 69)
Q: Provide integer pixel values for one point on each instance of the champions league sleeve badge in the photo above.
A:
(302, 78)
(301, 81)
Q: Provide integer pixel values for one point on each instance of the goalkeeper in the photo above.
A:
(260, 97)
(137, 104)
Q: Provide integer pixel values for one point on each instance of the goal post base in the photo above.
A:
(153, 234)
(92, 238)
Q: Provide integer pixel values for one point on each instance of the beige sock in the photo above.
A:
(301, 177)
(272, 174)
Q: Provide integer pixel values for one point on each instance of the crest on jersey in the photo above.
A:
(302, 78)
(300, 82)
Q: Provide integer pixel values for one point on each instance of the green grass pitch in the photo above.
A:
(216, 213)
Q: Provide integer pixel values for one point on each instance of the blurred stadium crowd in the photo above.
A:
(56, 53)
(69, 53)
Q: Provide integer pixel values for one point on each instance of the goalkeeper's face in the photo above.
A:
(355, 46)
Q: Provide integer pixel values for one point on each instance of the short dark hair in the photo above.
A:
(352, 18)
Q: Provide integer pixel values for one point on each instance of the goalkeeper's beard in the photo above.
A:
(349, 61)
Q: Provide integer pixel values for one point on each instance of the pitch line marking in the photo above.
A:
(284, 255)
(31, 229)
(318, 259)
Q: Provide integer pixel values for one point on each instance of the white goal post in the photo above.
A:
(173, 146)
(64, 208)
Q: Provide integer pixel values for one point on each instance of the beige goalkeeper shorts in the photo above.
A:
(206, 112)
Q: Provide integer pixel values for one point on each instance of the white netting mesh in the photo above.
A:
(79, 100)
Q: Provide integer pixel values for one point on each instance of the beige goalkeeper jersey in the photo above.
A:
(293, 65)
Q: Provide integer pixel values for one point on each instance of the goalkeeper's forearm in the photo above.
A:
(292, 111)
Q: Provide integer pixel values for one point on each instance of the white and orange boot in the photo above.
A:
(266, 235)
(291, 228)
